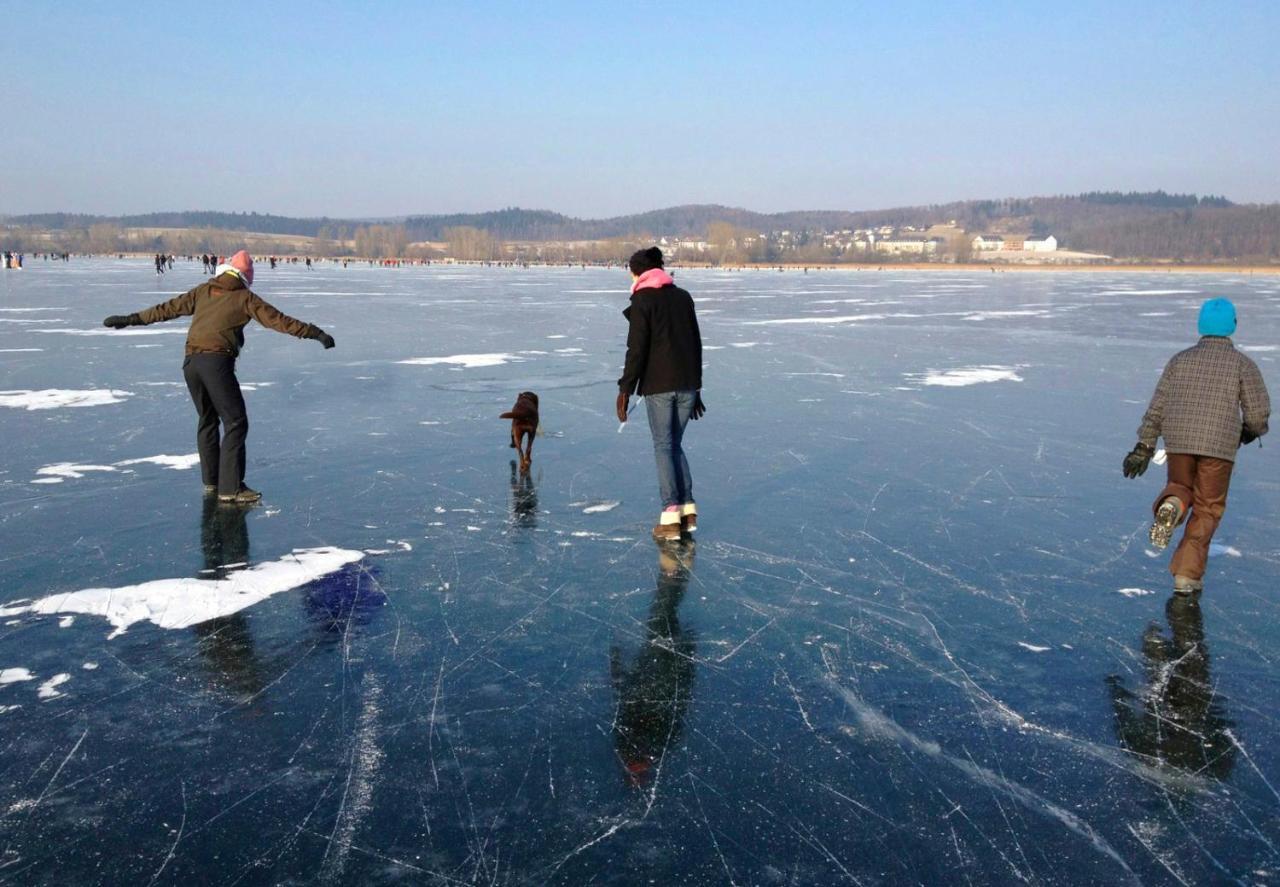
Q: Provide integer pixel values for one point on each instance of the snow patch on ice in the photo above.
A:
(1033, 648)
(18, 350)
(159, 331)
(595, 507)
(182, 603)
(1218, 549)
(1135, 592)
(13, 675)
(963, 376)
(1128, 292)
(49, 689)
(466, 361)
(53, 398)
(174, 463)
(1257, 348)
(60, 471)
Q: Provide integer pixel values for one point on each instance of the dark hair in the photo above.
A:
(643, 260)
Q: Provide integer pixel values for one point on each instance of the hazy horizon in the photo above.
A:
(600, 113)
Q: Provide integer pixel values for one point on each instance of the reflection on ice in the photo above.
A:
(1178, 719)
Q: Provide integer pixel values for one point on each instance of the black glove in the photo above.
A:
(325, 339)
(120, 321)
(699, 408)
(1135, 464)
(623, 399)
(1247, 437)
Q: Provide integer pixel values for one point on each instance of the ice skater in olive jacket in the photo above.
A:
(219, 309)
(1210, 401)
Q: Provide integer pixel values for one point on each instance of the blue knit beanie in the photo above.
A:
(1217, 318)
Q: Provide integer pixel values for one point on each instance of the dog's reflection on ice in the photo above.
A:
(524, 500)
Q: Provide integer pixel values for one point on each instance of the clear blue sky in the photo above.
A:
(376, 109)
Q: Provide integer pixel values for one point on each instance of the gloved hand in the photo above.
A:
(699, 408)
(623, 399)
(325, 339)
(1135, 464)
(120, 321)
(1247, 437)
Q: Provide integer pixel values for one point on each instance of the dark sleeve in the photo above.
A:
(182, 306)
(637, 349)
(1153, 419)
(1255, 403)
(273, 318)
(697, 344)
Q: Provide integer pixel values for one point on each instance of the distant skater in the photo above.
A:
(220, 308)
(664, 366)
(1210, 401)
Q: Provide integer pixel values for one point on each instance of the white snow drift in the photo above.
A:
(181, 603)
(53, 398)
(466, 361)
(963, 376)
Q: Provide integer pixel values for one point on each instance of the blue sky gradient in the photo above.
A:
(398, 108)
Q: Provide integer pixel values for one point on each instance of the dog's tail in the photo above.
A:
(507, 415)
(519, 413)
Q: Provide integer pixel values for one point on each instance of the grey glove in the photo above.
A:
(120, 321)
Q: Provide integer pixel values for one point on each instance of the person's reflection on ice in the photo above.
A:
(654, 692)
(524, 500)
(1177, 719)
(226, 642)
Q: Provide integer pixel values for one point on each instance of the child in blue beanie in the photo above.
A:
(1210, 401)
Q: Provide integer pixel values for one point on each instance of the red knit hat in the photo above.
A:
(243, 262)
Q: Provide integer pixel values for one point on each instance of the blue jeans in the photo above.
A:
(668, 415)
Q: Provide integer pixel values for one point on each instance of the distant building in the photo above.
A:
(909, 244)
(1046, 244)
(984, 242)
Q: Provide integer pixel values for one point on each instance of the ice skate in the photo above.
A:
(1187, 585)
(668, 526)
(1168, 516)
(689, 517)
(242, 496)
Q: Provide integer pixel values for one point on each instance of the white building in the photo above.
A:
(908, 244)
(985, 242)
(1045, 244)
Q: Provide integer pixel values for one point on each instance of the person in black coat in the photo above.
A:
(664, 366)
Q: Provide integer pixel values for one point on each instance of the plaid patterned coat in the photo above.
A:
(1201, 399)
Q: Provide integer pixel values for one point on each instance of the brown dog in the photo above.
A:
(524, 424)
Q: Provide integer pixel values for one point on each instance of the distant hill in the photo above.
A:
(1152, 225)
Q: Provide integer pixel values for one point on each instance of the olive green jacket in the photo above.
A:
(219, 309)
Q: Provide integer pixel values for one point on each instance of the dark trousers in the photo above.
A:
(1200, 483)
(211, 379)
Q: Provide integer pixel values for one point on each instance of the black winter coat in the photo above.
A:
(664, 347)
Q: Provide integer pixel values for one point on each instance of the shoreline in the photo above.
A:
(935, 267)
(1024, 267)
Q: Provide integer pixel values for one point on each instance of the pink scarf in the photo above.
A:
(654, 278)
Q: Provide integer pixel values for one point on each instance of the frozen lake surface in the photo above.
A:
(920, 640)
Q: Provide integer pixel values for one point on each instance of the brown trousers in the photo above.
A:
(1200, 483)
